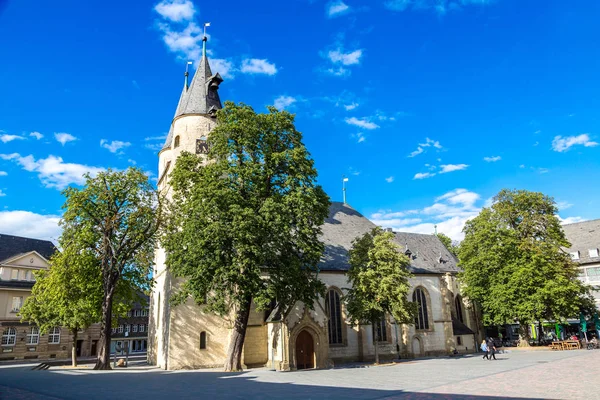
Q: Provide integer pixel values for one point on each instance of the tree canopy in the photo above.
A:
(448, 243)
(514, 264)
(113, 220)
(244, 227)
(379, 281)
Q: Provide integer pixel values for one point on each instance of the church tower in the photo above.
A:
(194, 118)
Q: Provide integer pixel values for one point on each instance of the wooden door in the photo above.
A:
(94, 346)
(305, 351)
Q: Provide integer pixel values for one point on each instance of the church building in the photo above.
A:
(184, 337)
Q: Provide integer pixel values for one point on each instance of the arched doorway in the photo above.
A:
(416, 346)
(305, 351)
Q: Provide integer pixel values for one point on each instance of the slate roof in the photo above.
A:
(584, 236)
(344, 224)
(11, 246)
(198, 99)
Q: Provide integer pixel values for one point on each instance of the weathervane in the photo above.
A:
(204, 39)
(344, 180)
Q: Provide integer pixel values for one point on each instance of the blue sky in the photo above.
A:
(429, 107)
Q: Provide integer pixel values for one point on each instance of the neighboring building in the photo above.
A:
(132, 331)
(585, 250)
(19, 258)
(185, 337)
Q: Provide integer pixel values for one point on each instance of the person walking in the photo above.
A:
(492, 350)
(484, 348)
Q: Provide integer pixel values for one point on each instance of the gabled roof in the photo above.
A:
(201, 97)
(345, 224)
(11, 246)
(584, 236)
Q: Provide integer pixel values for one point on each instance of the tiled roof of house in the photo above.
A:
(584, 236)
(345, 224)
(11, 246)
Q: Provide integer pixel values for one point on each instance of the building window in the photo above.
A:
(202, 340)
(134, 328)
(380, 331)
(129, 313)
(176, 141)
(54, 336)
(17, 303)
(127, 327)
(422, 319)
(334, 311)
(459, 309)
(33, 336)
(120, 328)
(458, 341)
(142, 327)
(9, 336)
(145, 313)
(14, 274)
(593, 274)
(593, 253)
(574, 255)
(114, 330)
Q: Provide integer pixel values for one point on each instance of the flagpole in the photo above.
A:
(344, 180)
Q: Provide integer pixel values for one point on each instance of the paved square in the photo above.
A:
(516, 375)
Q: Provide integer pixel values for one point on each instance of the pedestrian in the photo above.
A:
(492, 350)
(484, 348)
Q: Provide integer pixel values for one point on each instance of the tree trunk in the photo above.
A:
(74, 348)
(238, 334)
(103, 361)
(375, 342)
(523, 335)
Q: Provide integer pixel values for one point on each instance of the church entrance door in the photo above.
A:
(305, 351)
(416, 347)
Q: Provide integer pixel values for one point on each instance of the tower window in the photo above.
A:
(176, 142)
(202, 340)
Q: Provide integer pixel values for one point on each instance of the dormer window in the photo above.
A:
(574, 255)
(593, 253)
(176, 144)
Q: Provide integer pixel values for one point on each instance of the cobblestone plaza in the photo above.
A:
(515, 375)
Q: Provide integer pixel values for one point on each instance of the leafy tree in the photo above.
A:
(68, 294)
(245, 227)
(448, 243)
(514, 264)
(379, 278)
(114, 219)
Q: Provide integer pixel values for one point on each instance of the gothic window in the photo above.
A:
(9, 336)
(176, 142)
(334, 311)
(422, 318)
(459, 309)
(202, 340)
(380, 331)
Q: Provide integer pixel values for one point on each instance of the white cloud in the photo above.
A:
(3, 173)
(339, 57)
(338, 71)
(492, 159)
(423, 175)
(184, 41)
(132, 161)
(441, 7)
(562, 144)
(29, 224)
(53, 171)
(351, 106)
(452, 167)
(418, 151)
(563, 205)
(114, 146)
(176, 10)
(2, 194)
(449, 212)
(36, 135)
(336, 8)
(64, 138)
(283, 102)
(422, 146)
(154, 143)
(360, 137)
(389, 179)
(258, 66)
(224, 67)
(9, 138)
(570, 220)
(362, 123)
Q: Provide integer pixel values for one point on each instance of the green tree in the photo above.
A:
(448, 243)
(514, 264)
(115, 219)
(379, 277)
(68, 294)
(245, 226)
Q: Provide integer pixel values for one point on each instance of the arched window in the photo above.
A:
(176, 142)
(422, 319)
(9, 336)
(459, 308)
(334, 311)
(380, 331)
(202, 340)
